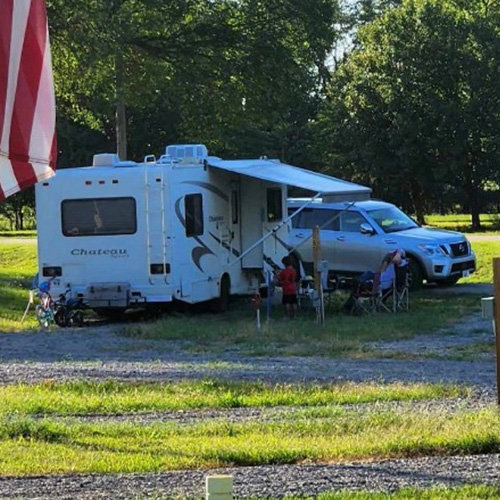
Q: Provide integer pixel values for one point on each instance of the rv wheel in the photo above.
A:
(221, 304)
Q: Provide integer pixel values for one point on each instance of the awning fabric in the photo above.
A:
(274, 171)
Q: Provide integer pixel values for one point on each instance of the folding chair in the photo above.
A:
(396, 298)
(367, 297)
(402, 288)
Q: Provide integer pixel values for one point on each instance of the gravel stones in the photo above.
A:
(267, 481)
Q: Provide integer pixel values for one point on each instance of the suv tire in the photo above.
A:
(416, 274)
(448, 281)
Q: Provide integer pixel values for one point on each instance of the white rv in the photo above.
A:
(187, 227)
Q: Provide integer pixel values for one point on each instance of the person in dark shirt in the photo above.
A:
(288, 281)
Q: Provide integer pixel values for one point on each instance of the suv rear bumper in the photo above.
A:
(444, 267)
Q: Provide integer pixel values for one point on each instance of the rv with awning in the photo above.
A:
(186, 226)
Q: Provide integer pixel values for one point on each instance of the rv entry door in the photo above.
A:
(251, 223)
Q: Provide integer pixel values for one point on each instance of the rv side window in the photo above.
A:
(234, 206)
(274, 204)
(98, 216)
(193, 204)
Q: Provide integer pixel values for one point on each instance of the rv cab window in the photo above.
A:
(193, 205)
(98, 216)
(274, 204)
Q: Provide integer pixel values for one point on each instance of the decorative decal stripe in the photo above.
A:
(235, 252)
(209, 187)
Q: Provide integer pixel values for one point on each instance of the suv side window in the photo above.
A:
(312, 217)
(351, 221)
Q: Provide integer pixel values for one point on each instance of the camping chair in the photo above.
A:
(396, 298)
(402, 287)
(329, 287)
(367, 296)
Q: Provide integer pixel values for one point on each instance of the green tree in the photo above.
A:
(243, 76)
(416, 106)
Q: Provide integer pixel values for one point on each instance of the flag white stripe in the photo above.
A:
(19, 23)
(8, 181)
(20, 14)
(42, 132)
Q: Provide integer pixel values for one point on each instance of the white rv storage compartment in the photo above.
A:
(108, 295)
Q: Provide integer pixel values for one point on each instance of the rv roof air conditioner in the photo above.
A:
(186, 153)
(105, 160)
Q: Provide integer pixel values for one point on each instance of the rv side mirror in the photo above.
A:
(366, 229)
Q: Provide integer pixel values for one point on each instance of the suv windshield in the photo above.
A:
(392, 219)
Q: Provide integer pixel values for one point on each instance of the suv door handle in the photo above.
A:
(341, 238)
(299, 235)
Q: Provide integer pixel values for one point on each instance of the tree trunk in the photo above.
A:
(418, 202)
(474, 207)
(121, 117)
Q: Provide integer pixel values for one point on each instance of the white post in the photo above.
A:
(219, 487)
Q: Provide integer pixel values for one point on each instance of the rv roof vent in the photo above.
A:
(125, 164)
(187, 153)
(105, 160)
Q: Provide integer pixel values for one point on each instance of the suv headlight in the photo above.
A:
(431, 249)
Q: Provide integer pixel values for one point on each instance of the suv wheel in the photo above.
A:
(448, 281)
(416, 277)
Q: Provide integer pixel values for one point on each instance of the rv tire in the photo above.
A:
(110, 313)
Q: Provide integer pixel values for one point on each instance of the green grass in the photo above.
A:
(463, 222)
(485, 252)
(17, 268)
(29, 233)
(110, 397)
(47, 446)
(342, 334)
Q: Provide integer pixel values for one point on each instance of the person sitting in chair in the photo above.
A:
(386, 275)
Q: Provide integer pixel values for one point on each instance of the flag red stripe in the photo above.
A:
(25, 174)
(5, 36)
(27, 87)
(2, 195)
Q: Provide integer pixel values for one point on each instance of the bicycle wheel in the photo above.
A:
(42, 317)
(77, 318)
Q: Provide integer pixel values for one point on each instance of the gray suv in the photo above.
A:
(364, 232)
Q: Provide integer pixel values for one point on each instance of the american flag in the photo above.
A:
(27, 103)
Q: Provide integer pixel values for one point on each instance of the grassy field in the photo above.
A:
(53, 446)
(485, 252)
(462, 222)
(18, 234)
(17, 268)
(342, 334)
(110, 397)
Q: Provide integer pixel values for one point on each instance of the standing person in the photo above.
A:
(288, 280)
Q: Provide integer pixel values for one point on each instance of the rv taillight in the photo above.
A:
(88, 183)
(52, 272)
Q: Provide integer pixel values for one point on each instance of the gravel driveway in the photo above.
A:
(268, 481)
(100, 352)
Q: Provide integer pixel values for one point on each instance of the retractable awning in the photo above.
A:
(274, 171)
